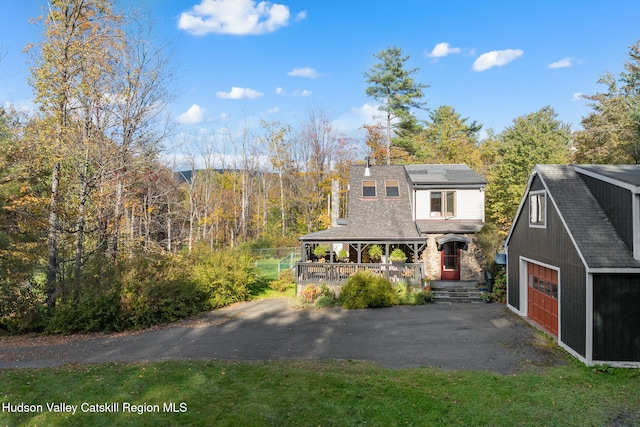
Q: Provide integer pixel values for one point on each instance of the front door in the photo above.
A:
(450, 261)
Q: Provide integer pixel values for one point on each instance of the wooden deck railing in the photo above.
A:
(337, 274)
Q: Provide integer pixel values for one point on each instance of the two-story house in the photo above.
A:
(430, 212)
(573, 259)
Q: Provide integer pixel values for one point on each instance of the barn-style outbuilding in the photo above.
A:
(573, 259)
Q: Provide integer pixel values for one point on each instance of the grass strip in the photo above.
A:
(328, 393)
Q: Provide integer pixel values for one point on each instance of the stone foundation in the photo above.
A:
(471, 260)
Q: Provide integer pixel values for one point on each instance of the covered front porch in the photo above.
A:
(332, 263)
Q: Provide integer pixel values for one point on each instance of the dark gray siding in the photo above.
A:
(552, 245)
(617, 203)
(616, 317)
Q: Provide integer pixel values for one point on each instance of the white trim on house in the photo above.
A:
(635, 209)
(523, 201)
(543, 223)
(564, 223)
(606, 270)
(588, 349)
(614, 364)
(633, 188)
(635, 203)
(523, 274)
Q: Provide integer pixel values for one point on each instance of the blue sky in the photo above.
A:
(242, 61)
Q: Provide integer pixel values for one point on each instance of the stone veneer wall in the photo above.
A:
(471, 260)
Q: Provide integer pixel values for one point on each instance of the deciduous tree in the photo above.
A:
(612, 130)
(532, 139)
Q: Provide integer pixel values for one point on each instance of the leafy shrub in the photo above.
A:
(22, 307)
(310, 293)
(366, 290)
(403, 293)
(500, 287)
(407, 296)
(324, 301)
(422, 297)
(486, 296)
(285, 279)
(159, 289)
(226, 276)
(326, 291)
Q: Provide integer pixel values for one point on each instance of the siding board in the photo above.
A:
(617, 203)
(616, 319)
(469, 204)
(552, 245)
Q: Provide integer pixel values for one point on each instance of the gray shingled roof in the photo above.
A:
(376, 218)
(629, 174)
(459, 227)
(593, 233)
(439, 175)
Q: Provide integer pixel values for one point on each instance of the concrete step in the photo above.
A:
(456, 292)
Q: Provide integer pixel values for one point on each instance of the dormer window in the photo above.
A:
(537, 210)
(392, 188)
(368, 189)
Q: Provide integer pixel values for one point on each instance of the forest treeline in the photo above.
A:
(97, 232)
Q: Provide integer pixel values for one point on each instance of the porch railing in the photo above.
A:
(337, 274)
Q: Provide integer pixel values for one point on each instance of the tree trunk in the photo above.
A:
(52, 271)
(116, 220)
(282, 213)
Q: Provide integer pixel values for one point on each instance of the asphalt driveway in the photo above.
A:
(450, 336)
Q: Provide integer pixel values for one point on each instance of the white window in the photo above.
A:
(443, 204)
(537, 209)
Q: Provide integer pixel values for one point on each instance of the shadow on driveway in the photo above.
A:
(450, 336)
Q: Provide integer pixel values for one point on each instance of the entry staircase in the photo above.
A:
(455, 291)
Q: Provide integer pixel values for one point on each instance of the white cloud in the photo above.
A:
(352, 120)
(194, 115)
(578, 96)
(272, 110)
(302, 15)
(442, 49)
(301, 92)
(238, 17)
(307, 72)
(239, 93)
(496, 58)
(280, 91)
(563, 63)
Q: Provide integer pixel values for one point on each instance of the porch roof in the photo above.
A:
(448, 226)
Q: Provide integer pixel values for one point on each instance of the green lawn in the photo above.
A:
(268, 268)
(331, 393)
(268, 271)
